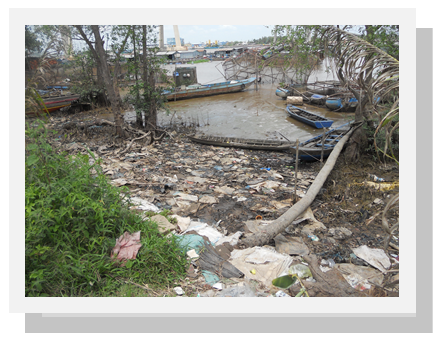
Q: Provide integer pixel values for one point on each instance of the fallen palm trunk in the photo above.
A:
(278, 226)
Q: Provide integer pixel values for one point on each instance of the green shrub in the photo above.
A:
(73, 216)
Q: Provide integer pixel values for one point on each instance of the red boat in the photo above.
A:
(56, 102)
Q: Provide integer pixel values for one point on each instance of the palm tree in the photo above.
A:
(369, 73)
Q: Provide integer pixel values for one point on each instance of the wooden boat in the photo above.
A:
(283, 93)
(318, 99)
(308, 118)
(56, 102)
(324, 88)
(341, 104)
(200, 90)
(311, 150)
(252, 144)
(288, 91)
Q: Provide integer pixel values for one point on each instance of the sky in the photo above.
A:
(196, 34)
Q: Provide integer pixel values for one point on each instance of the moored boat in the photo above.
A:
(308, 118)
(201, 90)
(312, 149)
(56, 102)
(252, 144)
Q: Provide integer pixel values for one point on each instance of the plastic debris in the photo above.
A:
(192, 254)
(210, 278)
(282, 294)
(324, 269)
(340, 233)
(374, 256)
(382, 186)
(183, 222)
(164, 226)
(208, 199)
(179, 291)
(268, 263)
(360, 276)
(300, 271)
(205, 230)
(331, 263)
(190, 241)
(239, 290)
(231, 239)
(127, 246)
(119, 182)
(376, 179)
(290, 245)
(144, 205)
(218, 286)
(186, 197)
(313, 237)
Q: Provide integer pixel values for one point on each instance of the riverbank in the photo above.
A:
(230, 190)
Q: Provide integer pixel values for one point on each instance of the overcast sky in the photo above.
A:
(202, 33)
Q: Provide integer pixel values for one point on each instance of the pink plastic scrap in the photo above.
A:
(127, 246)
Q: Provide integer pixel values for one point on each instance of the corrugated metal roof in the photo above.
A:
(166, 53)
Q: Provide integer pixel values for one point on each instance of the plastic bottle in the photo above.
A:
(376, 179)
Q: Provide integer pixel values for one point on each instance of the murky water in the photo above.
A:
(251, 113)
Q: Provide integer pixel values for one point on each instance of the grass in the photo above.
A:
(200, 61)
(73, 216)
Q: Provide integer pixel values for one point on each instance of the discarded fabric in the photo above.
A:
(127, 246)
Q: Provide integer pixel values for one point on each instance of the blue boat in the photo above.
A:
(343, 104)
(288, 91)
(308, 118)
(318, 99)
(58, 87)
(312, 149)
(283, 93)
(200, 90)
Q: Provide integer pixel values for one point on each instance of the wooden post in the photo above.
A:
(255, 66)
(323, 144)
(295, 177)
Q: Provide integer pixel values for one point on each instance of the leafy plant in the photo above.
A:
(72, 218)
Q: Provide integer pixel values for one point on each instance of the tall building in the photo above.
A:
(172, 41)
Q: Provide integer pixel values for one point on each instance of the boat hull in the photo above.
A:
(283, 93)
(311, 150)
(210, 89)
(308, 118)
(54, 103)
(252, 144)
(333, 104)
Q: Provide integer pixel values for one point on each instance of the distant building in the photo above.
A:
(172, 41)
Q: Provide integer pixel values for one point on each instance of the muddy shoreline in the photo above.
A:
(169, 172)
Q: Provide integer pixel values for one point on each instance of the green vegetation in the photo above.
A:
(200, 61)
(73, 217)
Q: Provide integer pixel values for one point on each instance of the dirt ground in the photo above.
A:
(348, 198)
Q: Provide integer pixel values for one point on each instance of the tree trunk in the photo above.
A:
(279, 225)
(149, 85)
(102, 64)
(136, 63)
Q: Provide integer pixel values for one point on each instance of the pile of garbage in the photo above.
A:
(217, 195)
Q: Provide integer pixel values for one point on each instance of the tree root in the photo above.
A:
(148, 134)
(132, 132)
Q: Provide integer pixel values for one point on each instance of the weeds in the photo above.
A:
(72, 219)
